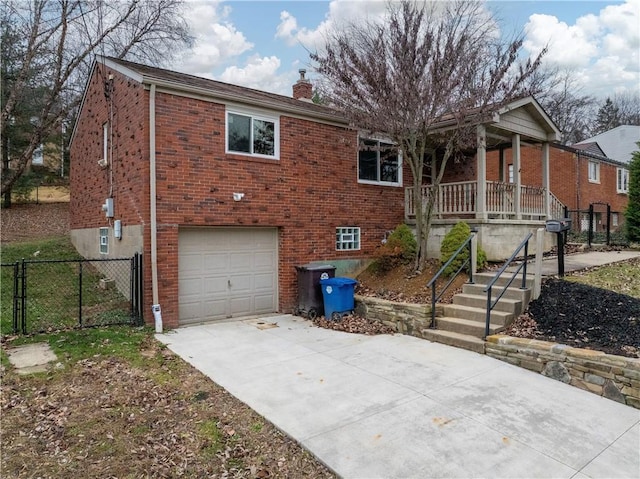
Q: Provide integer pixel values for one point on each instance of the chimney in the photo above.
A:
(303, 90)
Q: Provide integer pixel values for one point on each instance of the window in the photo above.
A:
(614, 219)
(379, 162)
(105, 142)
(511, 173)
(38, 156)
(104, 240)
(252, 135)
(623, 180)
(594, 172)
(347, 238)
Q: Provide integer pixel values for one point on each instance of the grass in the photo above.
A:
(53, 293)
(622, 277)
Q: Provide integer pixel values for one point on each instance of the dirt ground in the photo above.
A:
(107, 417)
(402, 284)
(25, 222)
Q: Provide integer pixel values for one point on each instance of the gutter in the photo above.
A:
(157, 314)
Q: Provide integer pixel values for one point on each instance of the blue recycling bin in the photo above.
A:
(338, 296)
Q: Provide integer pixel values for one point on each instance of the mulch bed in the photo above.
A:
(352, 323)
(582, 316)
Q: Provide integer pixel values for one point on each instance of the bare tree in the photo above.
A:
(426, 65)
(51, 44)
(559, 93)
(628, 105)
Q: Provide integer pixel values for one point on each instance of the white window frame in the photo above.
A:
(615, 219)
(103, 245)
(593, 167)
(622, 180)
(105, 142)
(379, 182)
(37, 158)
(511, 177)
(254, 115)
(348, 238)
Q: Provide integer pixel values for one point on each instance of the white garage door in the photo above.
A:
(226, 272)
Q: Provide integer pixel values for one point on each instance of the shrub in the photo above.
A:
(632, 214)
(400, 248)
(450, 244)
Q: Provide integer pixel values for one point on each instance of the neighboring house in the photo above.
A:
(617, 144)
(226, 189)
(581, 175)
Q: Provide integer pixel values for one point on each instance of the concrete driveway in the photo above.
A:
(398, 407)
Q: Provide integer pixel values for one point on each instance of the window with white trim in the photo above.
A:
(623, 180)
(104, 240)
(379, 163)
(347, 238)
(251, 134)
(38, 156)
(614, 219)
(511, 177)
(594, 171)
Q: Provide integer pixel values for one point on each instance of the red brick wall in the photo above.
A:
(306, 194)
(91, 184)
(568, 176)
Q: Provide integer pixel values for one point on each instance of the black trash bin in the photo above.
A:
(310, 300)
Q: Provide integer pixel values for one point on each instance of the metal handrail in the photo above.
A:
(488, 288)
(432, 282)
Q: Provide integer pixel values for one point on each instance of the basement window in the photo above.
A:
(251, 134)
(347, 238)
(104, 240)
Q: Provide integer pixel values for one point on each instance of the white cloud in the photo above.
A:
(602, 49)
(217, 41)
(260, 73)
(341, 12)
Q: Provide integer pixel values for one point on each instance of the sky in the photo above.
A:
(263, 44)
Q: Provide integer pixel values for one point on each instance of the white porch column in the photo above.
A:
(481, 173)
(545, 180)
(515, 147)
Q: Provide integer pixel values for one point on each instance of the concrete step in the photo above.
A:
(478, 301)
(523, 295)
(458, 340)
(484, 278)
(465, 326)
(476, 314)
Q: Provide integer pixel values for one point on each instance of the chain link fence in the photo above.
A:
(50, 295)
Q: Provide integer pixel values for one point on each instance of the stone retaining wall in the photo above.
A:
(405, 318)
(613, 377)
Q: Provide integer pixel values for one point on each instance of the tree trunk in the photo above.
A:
(6, 197)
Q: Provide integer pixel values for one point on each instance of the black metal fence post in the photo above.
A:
(16, 296)
(591, 217)
(80, 294)
(23, 297)
(608, 224)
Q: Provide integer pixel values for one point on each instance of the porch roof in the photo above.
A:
(524, 117)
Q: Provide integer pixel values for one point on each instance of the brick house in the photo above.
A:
(226, 189)
(581, 175)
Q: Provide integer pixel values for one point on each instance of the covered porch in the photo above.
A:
(503, 211)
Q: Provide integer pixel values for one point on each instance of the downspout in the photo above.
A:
(157, 313)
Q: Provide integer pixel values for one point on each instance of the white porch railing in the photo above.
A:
(459, 199)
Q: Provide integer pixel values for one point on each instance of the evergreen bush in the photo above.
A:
(450, 244)
(632, 213)
(400, 248)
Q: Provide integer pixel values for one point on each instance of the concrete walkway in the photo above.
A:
(579, 261)
(398, 407)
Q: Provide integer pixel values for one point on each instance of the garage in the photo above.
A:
(226, 273)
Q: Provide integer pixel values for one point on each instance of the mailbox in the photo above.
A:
(558, 226)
